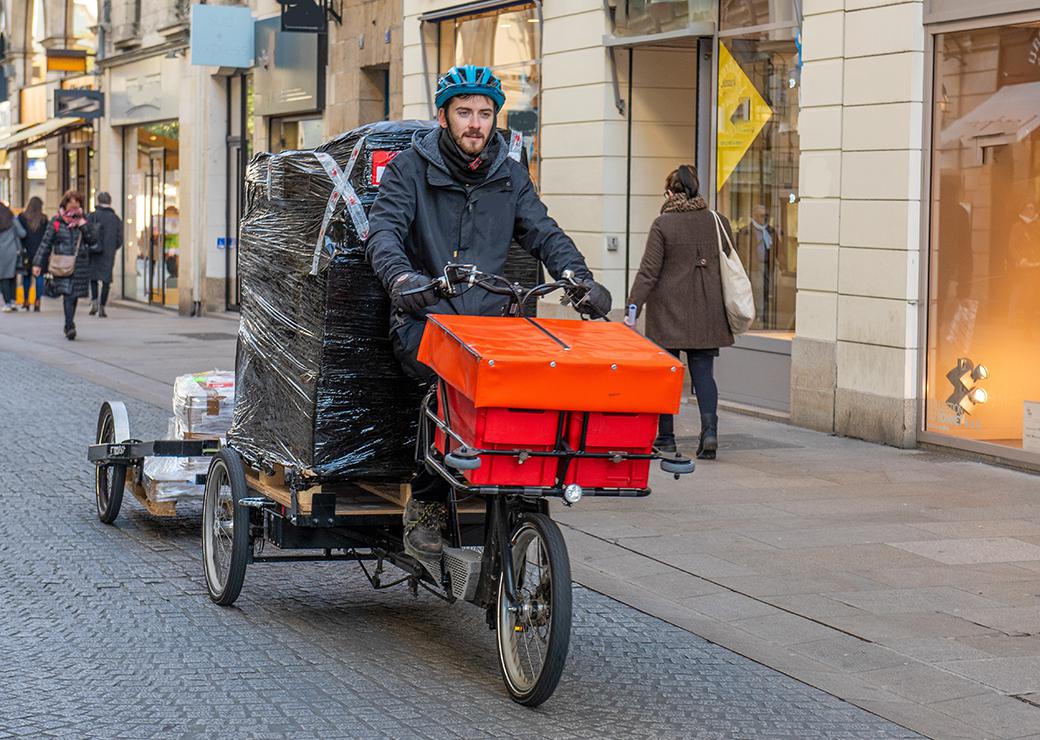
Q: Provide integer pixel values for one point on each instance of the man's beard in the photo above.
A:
(469, 144)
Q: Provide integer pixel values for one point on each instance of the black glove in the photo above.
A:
(596, 301)
(403, 300)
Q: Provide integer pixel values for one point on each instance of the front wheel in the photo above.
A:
(113, 427)
(534, 633)
(225, 527)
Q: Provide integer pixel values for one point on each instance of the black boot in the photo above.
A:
(93, 308)
(665, 441)
(423, 521)
(101, 311)
(70, 332)
(709, 443)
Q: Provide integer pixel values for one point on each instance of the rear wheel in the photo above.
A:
(534, 634)
(109, 479)
(225, 527)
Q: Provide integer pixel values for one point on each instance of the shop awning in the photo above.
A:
(40, 131)
(1007, 116)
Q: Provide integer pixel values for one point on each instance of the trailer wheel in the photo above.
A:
(534, 634)
(225, 527)
(110, 479)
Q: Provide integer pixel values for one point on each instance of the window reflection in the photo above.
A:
(644, 17)
(757, 174)
(507, 41)
(747, 13)
(984, 258)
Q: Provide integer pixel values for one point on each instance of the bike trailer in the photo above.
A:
(542, 387)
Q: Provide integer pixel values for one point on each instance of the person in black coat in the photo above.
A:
(34, 221)
(457, 196)
(68, 233)
(109, 228)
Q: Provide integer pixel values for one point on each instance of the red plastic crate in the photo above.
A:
(611, 432)
(503, 429)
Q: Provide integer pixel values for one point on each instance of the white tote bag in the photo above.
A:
(736, 288)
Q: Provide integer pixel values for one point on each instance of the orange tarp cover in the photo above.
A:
(559, 364)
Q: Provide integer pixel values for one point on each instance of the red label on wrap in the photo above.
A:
(380, 160)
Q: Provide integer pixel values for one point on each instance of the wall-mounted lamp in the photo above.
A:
(967, 394)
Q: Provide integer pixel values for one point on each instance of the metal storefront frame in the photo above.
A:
(951, 20)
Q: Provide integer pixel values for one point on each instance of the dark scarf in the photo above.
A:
(462, 167)
(679, 202)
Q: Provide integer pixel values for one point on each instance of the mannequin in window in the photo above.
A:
(758, 247)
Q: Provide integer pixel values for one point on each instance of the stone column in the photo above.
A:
(858, 263)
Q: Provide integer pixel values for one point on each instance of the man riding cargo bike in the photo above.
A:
(458, 197)
(516, 410)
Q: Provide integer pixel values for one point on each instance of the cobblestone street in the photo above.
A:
(108, 631)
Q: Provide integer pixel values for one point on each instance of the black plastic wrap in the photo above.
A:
(317, 386)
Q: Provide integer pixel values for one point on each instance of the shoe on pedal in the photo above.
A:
(423, 522)
(665, 443)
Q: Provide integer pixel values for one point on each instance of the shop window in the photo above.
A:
(37, 60)
(375, 93)
(984, 244)
(36, 174)
(507, 40)
(645, 17)
(296, 133)
(83, 21)
(756, 174)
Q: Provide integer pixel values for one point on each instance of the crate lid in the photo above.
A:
(561, 364)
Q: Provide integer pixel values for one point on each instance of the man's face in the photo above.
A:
(469, 119)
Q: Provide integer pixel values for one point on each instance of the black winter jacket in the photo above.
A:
(109, 228)
(424, 219)
(60, 238)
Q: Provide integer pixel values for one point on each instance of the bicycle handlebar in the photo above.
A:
(465, 274)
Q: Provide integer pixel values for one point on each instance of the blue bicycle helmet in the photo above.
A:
(469, 79)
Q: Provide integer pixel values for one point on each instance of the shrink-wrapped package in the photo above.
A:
(318, 387)
(203, 403)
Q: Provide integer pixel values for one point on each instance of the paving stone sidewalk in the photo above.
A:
(905, 581)
(108, 631)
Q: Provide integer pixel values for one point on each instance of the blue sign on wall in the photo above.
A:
(221, 36)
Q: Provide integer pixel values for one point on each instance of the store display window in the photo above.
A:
(756, 177)
(984, 239)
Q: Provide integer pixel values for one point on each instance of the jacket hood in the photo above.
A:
(425, 143)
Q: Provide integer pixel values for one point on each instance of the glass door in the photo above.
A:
(152, 215)
(155, 231)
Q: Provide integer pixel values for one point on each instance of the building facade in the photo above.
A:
(49, 49)
(182, 123)
(877, 159)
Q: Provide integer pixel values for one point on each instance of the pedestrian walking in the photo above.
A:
(11, 234)
(34, 221)
(108, 229)
(680, 282)
(65, 254)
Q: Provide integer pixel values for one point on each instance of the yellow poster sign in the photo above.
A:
(742, 114)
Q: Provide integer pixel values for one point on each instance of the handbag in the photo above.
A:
(63, 265)
(736, 288)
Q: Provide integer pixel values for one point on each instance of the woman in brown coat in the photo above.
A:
(680, 283)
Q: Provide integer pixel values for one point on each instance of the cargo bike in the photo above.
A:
(522, 410)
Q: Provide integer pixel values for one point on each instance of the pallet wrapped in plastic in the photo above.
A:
(203, 403)
(318, 387)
